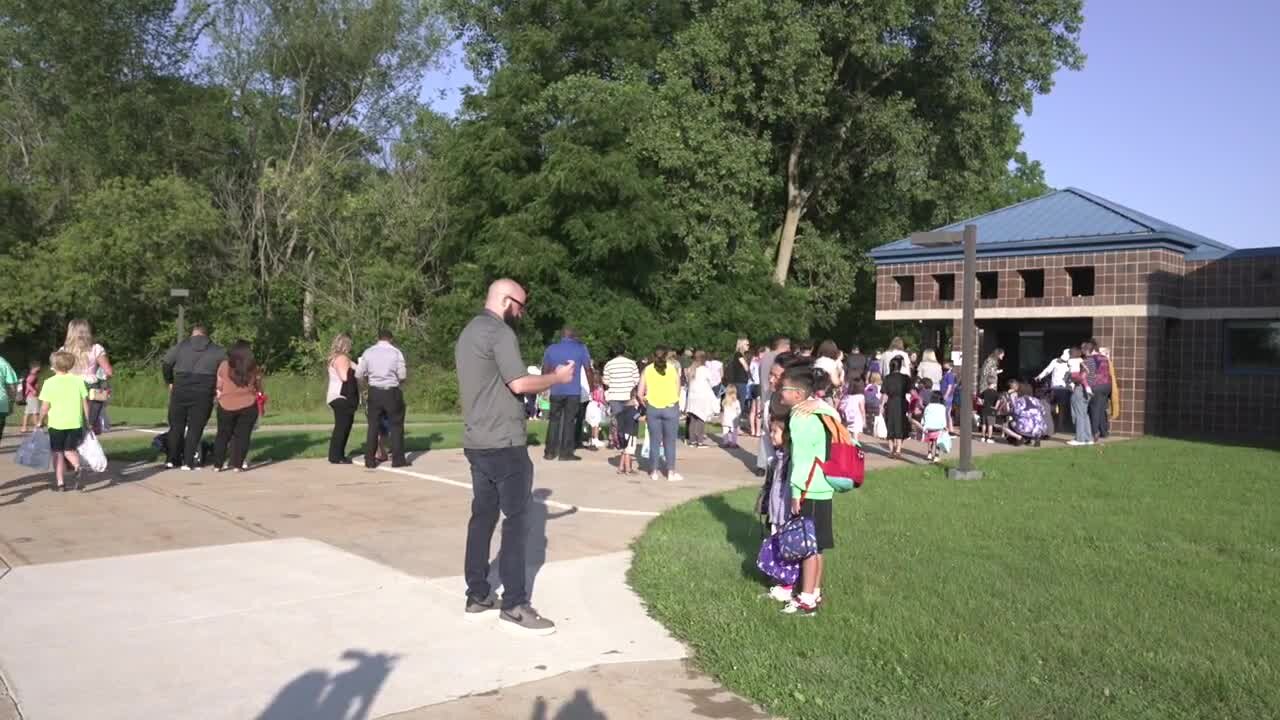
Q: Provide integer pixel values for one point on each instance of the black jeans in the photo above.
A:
(1098, 410)
(95, 412)
(3, 419)
(188, 414)
(234, 427)
(388, 402)
(344, 416)
(562, 431)
(501, 479)
(1062, 410)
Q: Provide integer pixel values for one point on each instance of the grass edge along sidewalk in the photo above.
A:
(1135, 580)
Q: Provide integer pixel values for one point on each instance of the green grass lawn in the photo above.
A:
(288, 445)
(1137, 580)
(157, 417)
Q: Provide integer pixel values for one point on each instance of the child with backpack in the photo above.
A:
(774, 502)
(811, 493)
(934, 423)
(853, 409)
(31, 395)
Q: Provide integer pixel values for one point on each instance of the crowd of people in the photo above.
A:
(788, 395)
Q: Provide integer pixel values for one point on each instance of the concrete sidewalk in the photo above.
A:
(300, 586)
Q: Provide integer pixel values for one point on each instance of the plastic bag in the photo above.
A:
(881, 429)
(34, 452)
(91, 453)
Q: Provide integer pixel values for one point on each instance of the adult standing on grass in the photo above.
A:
(191, 370)
(382, 366)
(8, 392)
(92, 365)
(239, 382)
(492, 379)
(563, 425)
(343, 397)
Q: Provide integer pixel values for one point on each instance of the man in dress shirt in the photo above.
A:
(382, 368)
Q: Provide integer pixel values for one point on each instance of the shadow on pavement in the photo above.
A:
(536, 544)
(579, 708)
(348, 695)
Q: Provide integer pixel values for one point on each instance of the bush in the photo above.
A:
(429, 389)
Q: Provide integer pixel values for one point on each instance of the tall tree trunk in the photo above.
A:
(308, 298)
(796, 198)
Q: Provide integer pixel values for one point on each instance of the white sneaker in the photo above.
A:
(781, 593)
(674, 477)
(1076, 443)
(186, 468)
(654, 476)
(170, 465)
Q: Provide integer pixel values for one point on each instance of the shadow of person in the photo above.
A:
(578, 708)
(742, 530)
(741, 454)
(348, 695)
(535, 548)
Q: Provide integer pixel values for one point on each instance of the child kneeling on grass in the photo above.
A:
(64, 404)
(808, 443)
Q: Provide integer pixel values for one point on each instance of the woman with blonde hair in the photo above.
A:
(897, 348)
(343, 396)
(930, 367)
(703, 404)
(92, 365)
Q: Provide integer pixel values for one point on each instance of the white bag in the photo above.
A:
(881, 430)
(595, 414)
(91, 452)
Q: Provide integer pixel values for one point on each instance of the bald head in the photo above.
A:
(506, 298)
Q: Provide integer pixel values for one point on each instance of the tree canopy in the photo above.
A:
(652, 171)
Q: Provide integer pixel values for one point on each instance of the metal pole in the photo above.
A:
(969, 356)
(181, 322)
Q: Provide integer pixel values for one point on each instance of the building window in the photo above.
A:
(1032, 283)
(988, 285)
(946, 286)
(906, 287)
(1253, 346)
(1081, 281)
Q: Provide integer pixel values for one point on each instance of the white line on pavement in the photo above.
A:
(549, 503)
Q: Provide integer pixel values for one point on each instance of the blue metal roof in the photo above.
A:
(1068, 220)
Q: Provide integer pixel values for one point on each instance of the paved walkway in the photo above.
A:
(305, 590)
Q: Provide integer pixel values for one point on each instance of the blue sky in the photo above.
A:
(1176, 113)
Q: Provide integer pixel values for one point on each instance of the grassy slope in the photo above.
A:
(1141, 580)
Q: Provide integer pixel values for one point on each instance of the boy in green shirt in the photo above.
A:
(64, 404)
(808, 442)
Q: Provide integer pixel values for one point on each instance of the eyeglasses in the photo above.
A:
(521, 304)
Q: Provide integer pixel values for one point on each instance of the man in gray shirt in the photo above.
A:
(492, 379)
(382, 367)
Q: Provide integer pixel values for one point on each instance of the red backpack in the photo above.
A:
(845, 466)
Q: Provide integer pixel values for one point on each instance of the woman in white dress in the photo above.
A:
(702, 404)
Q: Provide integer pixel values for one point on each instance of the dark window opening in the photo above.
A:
(906, 287)
(988, 285)
(1253, 346)
(1081, 281)
(946, 286)
(1032, 283)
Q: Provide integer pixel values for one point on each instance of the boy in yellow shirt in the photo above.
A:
(64, 404)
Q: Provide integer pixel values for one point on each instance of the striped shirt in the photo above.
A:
(620, 377)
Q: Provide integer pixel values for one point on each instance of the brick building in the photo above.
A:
(1193, 324)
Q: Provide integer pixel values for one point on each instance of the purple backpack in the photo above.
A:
(770, 562)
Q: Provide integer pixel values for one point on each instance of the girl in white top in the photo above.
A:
(730, 411)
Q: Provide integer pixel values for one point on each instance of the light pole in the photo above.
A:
(968, 338)
(180, 293)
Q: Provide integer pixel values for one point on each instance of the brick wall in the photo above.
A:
(1243, 282)
(1122, 277)
(1202, 399)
